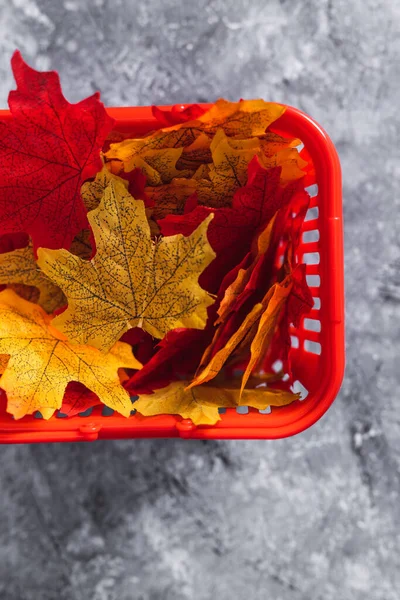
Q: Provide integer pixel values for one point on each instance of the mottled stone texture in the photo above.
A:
(316, 517)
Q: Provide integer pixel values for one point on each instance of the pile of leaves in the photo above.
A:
(159, 269)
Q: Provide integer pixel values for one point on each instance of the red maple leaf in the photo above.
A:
(176, 115)
(77, 399)
(142, 343)
(232, 229)
(48, 148)
(178, 353)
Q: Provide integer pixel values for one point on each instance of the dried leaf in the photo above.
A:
(47, 149)
(228, 171)
(218, 360)
(271, 143)
(247, 118)
(298, 304)
(233, 291)
(176, 115)
(233, 228)
(78, 399)
(19, 267)
(201, 403)
(178, 354)
(266, 326)
(196, 154)
(42, 362)
(92, 191)
(290, 161)
(171, 198)
(131, 281)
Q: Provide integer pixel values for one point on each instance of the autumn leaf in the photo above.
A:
(197, 154)
(266, 326)
(19, 267)
(77, 399)
(247, 118)
(131, 281)
(217, 361)
(233, 228)
(176, 115)
(42, 362)
(228, 171)
(92, 191)
(171, 198)
(271, 143)
(177, 354)
(47, 149)
(290, 161)
(244, 119)
(201, 404)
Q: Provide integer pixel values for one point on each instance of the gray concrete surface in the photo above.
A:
(316, 517)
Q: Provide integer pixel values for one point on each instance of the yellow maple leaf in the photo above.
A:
(201, 403)
(19, 267)
(157, 163)
(131, 281)
(171, 198)
(247, 118)
(271, 143)
(289, 160)
(228, 171)
(198, 153)
(42, 362)
(92, 191)
(215, 364)
(266, 326)
(256, 330)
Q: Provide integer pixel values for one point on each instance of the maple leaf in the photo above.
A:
(177, 354)
(176, 115)
(42, 362)
(92, 191)
(271, 143)
(47, 149)
(235, 285)
(217, 361)
(233, 228)
(266, 327)
(290, 161)
(19, 267)
(228, 171)
(201, 404)
(171, 198)
(78, 399)
(131, 281)
(241, 119)
(198, 153)
(247, 118)
(159, 165)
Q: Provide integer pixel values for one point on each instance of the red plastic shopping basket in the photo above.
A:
(318, 344)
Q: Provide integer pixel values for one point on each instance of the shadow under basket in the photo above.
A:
(317, 345)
